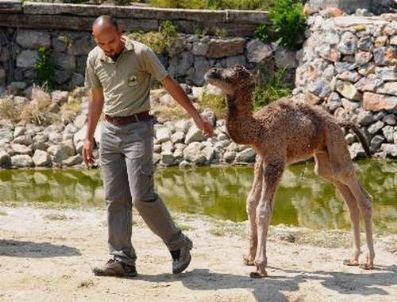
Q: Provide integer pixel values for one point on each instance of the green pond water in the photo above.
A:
(302, 199)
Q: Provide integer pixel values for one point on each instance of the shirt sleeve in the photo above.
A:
(91, 79)
(153, 64)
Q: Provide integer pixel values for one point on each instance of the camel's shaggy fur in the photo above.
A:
(283, 133)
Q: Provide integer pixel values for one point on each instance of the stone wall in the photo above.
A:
(348, 66)
(190, 57)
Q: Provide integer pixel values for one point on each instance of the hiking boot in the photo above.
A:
(115, 268)
(181, 258)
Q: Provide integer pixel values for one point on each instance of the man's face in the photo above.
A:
(109, 40)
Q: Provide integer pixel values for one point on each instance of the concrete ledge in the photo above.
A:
(146, 12)
(12, 6)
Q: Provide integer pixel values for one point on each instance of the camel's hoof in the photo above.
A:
(367, 266)
(349, 262)
(257, 275)
(248, 261)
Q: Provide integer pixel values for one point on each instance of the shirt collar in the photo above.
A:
(128, 46)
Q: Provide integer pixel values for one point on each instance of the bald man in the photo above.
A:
(118, 75)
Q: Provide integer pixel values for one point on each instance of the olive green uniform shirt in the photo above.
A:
(126, 81)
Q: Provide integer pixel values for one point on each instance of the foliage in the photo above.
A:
(195, 4)
(123, 2)
(271, 91)
(159, 41)
(239, 4)
(220, 32)
(289, 23)
(217, 103)
(263, 33)
(44, 68)
(38, 110)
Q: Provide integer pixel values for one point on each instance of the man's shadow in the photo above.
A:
(30, 249)
(271, 288)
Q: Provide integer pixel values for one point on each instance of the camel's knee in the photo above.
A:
(251, 205)
(263, 214)
(261, 261)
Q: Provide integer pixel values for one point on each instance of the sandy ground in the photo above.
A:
(47, 255)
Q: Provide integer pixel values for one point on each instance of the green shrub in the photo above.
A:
(289, 23)
(271, 91)
(45, 70)
(263, 33)
(159, 41)
(123, 2)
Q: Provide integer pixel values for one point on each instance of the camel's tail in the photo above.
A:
(360, 136)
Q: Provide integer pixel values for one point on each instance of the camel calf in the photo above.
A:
(283, 133)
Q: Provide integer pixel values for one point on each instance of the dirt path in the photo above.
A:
(46, 255)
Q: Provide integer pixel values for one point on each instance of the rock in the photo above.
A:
(194, 134)
(378, 102)
(33, 39)
(386, 73)
(6, 135)
(356, 151)
(312, 99)
(388, 133)
(21, 149)
(380, 41)
(80, 121)
(351, 76)
(388, 88)
(350, 138)
(192, 153)
(209, 153)
(320, 88)
(18, 131)
(27, 58)
(41, 159)
(348, 44)
(363, 57)
(23, 140)
(21, 161)
(225, 48)
(246, 156)
(376, 127)
(390, 150)
(200, 67)
(348, 90)
(285, 58)
(390, 119)
(167, 147)
(182, 125)
(73, 161)
(376, 141)
(365, 118)
(349, 106)
(177, 137)
(371, 83)
(180, 64)
(365, 43)
(258, 51)
(367, 69)
(229, 156)
(385, 56)
(59, 97)
(162, 134)
(5, 160)
(64, 61)
(167, 159)
(200, 48)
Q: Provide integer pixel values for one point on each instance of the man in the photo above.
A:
(118, 74)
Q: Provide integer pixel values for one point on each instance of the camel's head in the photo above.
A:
(230, 79)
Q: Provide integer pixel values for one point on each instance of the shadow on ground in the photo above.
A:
(30, 249)
(272, 287)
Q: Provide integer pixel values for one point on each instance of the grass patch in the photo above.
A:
(228, 228)
(3, 213)
(169, 113)
(271, 91)
(217, 103)
(9, 110)
(56, 217)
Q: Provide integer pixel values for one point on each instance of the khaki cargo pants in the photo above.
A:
(126, 158)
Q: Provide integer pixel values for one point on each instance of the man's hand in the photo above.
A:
(205, 126)
(87, 152)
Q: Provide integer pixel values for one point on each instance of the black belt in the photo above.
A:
(124, 120)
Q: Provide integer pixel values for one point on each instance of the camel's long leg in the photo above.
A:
(273, 171)
(323, 169)
(365, 206)
(342, 170)
(251, 204)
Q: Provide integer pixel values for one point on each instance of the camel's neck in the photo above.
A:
(240, 123)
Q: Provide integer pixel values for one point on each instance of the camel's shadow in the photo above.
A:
(272, 287)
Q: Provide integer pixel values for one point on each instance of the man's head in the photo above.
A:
(107, 35)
